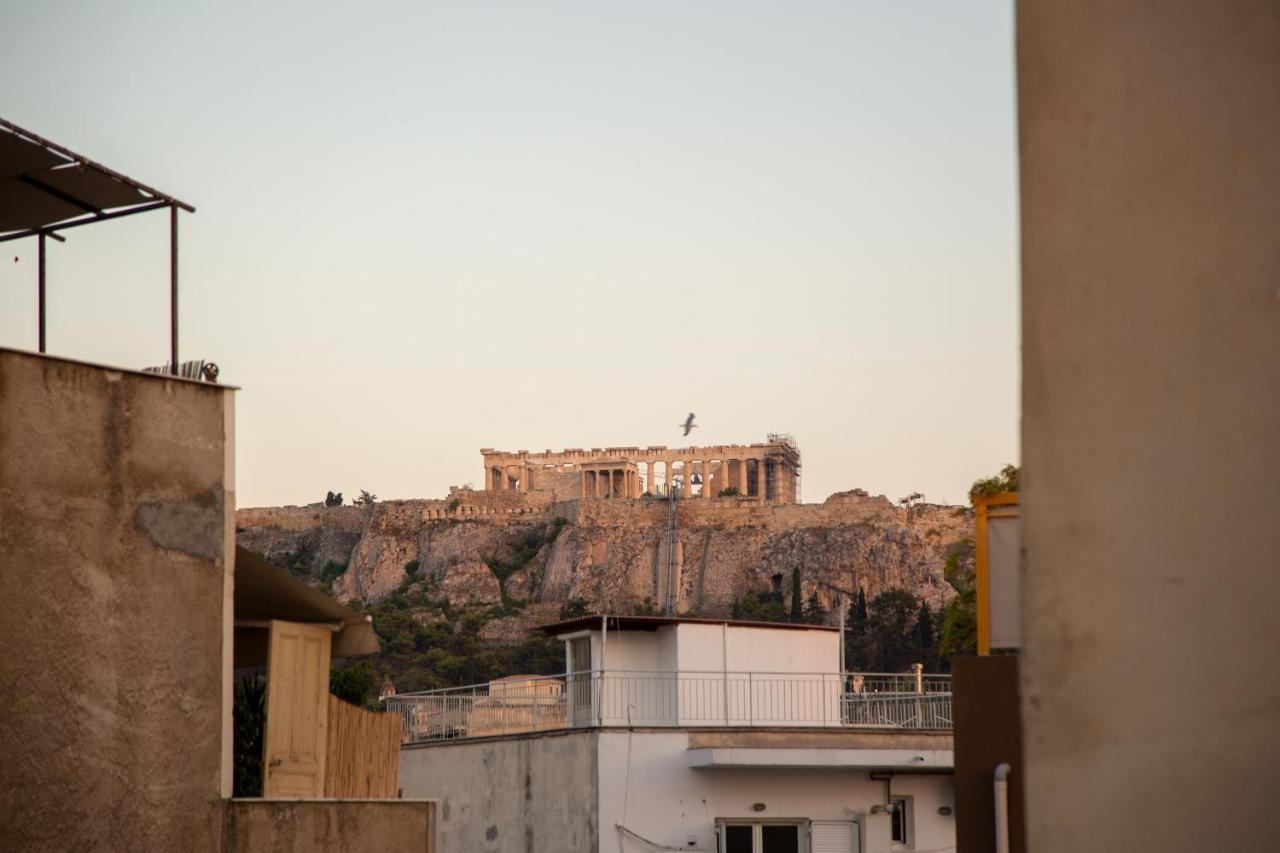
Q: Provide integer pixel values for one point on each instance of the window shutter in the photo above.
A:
(833, 836)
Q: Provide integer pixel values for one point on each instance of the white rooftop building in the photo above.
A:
(687, 734)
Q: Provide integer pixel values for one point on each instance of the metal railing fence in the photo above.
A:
(657, 699)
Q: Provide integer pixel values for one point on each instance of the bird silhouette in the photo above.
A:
(688, 424)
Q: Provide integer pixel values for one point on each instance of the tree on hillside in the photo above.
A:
(366, 498)
(1006, 481)
(960, 618)
(857, 650)
(797, 602)
(814, 612)
(333, 499)
(892, 620)
(926, 646)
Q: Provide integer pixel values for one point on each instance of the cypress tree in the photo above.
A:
(797, 603)
(926, 643)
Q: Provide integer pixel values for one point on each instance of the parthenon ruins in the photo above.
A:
(767, 471)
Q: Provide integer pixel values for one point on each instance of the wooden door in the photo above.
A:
(297, 710)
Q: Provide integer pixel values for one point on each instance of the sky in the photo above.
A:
(426, 228)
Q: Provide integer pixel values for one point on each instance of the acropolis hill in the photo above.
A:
(599, 521)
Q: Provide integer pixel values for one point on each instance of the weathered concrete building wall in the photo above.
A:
(116, 526)
(1150, 171)
(522, 794)
(349, 826)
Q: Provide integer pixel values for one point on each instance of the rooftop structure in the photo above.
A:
(674, 672)
(46, 189)
(768, 471)
(671, 733)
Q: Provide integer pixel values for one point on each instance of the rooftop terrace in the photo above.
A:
(684, 699)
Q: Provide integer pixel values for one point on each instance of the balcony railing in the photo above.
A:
(671, 699)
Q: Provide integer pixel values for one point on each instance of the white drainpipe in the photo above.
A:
(1002, 807)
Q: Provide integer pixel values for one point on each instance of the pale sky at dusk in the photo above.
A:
(424, 228)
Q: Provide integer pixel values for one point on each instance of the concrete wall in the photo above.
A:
(647, 785)
(115, 533)
(350, 826)
(534, 794)
(1151, 409)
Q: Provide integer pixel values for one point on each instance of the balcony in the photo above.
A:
(616, 698)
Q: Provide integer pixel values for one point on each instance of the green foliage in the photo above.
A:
(960, 618)
(730, 492)
(428, 643)
(354, 684)
(797, 602)
(891, 633)
(573, 608)
(249, 714)
(333, 499)
(647, 608)
(366, 499)
(760, 607)
(925, 636)
(1005, 481)
(454, 504)
(523, 550)
(814, 612)
(332, 571)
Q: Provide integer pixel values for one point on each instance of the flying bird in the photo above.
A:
(688, 424)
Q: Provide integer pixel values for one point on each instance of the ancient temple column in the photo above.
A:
(582, 484)
(760, 469)
(488, 478)
(742, 477)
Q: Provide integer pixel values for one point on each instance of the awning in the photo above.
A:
(45, 187)
(264, 592)
(908, 760)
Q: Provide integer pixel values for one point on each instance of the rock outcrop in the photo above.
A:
(504, 547)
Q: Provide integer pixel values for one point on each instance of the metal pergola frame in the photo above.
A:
(92, 214)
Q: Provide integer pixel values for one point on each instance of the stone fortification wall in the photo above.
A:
(301, 517)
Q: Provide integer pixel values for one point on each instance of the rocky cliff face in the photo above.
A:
(490, 548)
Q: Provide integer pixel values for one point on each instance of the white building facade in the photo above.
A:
(681, 734)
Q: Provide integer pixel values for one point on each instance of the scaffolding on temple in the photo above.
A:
(792, 450)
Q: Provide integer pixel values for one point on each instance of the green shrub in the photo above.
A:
(249, 714)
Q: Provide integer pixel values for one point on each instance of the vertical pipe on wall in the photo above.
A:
(1001, 783)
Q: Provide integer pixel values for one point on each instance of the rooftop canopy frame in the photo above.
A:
(46, 188)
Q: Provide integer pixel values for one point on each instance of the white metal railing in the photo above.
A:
(633, 698)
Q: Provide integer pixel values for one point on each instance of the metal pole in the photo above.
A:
(40, 267)
(724, 667)
(173, 289)
(840, 607)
